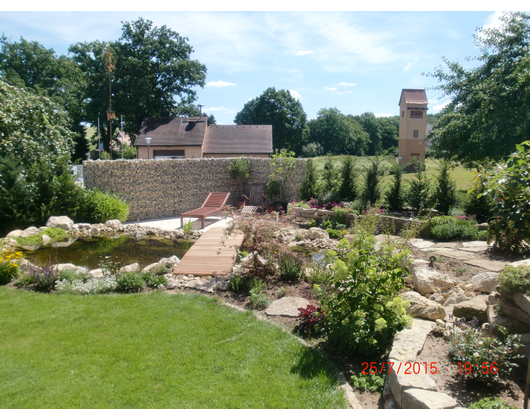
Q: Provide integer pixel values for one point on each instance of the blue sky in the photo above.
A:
(355, 61)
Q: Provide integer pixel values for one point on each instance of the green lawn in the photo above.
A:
(151, 351)
(462, 176)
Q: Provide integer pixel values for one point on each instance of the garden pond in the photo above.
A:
(91, 252)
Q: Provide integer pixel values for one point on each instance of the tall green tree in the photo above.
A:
(371, 125)
(309, 185)
(348, 180)
(489, 112)
(281, 110)
(41, 71)
(444, 195)
(337, 133)
(154, 76)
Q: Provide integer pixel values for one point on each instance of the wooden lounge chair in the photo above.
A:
(213, 204)
(256, 201)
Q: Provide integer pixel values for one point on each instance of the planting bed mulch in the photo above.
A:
(449, 381)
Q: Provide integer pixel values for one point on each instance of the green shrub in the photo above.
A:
(239, 284)
(258, 298)
(41, 278)
(88, 286)
(394, 195)
(418, 193)
(510, 226)
(8, 272)
(161, 269)
(99, 206)
(130, 283)
(444, 195)
(129, 152)
(309, 185)
(449, 228)
(515, 279)
(371, 192)
(290, 266)
(154, 281)
(489, 403)
(478, 201)
(362, 303)
(371, 382)
(482, 358)
(319, 273)
(333, 233)
(348, 180)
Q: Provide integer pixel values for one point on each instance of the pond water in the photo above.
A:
(124, 250)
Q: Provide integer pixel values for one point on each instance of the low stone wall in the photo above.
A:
(305, 215)
(168, 187)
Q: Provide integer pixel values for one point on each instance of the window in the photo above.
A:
(169, 154)
(415, 134)
(402, 113)
(416, 114)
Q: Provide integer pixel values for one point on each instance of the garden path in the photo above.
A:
(213, 254)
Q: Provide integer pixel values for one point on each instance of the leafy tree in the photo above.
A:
(309, 185)
(312, 150)
(389, 132)
(445, 191)
(348, 180)
(337, 133)
(38, 70)
(32, 128)
(153, 76)
(211, 118)
(329, 175)
(286, 115)
(510, 186)
(371, 125)
(490, 108)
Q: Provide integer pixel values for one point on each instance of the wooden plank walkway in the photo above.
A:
(208, 257)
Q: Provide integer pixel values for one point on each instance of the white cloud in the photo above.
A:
(295, 94)
(219, 84)
(493, 21)
(441, 106)
(345, 84)
(409, 66)
(303, 52)
(330, 88)
(220, 109)
(346, 91)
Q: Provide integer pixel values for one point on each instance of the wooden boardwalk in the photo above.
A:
(208, 256)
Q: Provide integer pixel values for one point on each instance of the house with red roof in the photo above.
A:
(193, 137)
(412, 125)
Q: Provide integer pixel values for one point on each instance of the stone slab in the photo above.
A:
(399, 382)
(409, 342)
(287, 306)
(486, 264)
(522, 301)
(206, 285)
(421, 399)
(454, 253)
(520, 263)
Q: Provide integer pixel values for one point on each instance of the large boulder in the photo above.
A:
(514, 326)
(30, 232)
(422, 307)
(135, 268)
(485, 282)
(476, 307)
(514, 311)
(15, 233)
(427, 281)
(114, 224)
(522, 301)
(317, 233)
(62, 222)
(170, 261)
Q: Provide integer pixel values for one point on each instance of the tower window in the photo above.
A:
(416, 114)
(402, 113)
(415, 134)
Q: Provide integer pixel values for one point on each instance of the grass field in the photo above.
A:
(152, 351)
(462, 176)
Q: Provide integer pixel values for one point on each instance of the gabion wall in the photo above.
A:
(159, 188)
